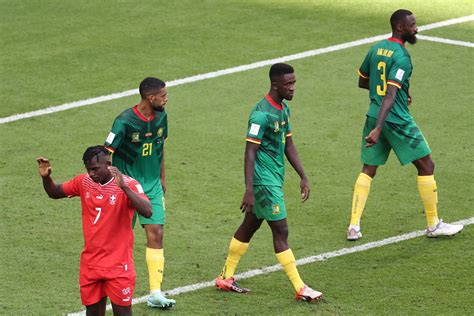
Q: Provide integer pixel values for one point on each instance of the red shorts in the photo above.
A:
(117, 284)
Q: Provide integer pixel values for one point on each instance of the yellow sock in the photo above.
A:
(287, 260)
(236, 250)
(429, 196)
(155, 261)
(361, 193)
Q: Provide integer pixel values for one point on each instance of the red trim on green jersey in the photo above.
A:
(253, 140)
(362, 74)
(273, 103)
(396, 40)
(394, 83)
(141, 116)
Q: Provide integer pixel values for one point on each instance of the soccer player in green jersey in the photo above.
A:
(269, 140)
(385, 72)
(137, 141)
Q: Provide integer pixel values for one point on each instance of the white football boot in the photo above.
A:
(443, 229)
(353, 233)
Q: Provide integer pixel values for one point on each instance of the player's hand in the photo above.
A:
(247, 202)
(117, 176)
(373, 137)
(44, 167)
(305, 189)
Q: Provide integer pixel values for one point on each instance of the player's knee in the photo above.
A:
(371, 171)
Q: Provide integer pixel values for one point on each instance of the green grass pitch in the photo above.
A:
(53, 52)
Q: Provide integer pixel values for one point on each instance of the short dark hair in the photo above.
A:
(398, 17)
(150, 85)
(280, 69)
(94, 151)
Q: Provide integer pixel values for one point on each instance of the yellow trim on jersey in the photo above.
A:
(396, 84)
(253, 140)
(361, 74)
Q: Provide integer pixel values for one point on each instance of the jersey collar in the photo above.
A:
(273, 103)
(396, 40)
(141, 116)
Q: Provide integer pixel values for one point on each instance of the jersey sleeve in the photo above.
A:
(136, 187)
(256, 127)
(116, 135)
(364, 69)
(399, 72)
(73, 187)
(288, 130)
(165, 132)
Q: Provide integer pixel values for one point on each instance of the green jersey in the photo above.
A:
(388, 63)
(137, 143)
(269, 126)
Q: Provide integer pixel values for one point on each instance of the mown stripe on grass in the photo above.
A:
(214, 74)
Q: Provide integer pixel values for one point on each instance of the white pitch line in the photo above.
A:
(299, 262)
(227, 71)
(445, 40)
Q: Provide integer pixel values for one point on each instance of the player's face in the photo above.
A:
(97, 169)
(409, 29)
(285, 86)
(158, 100)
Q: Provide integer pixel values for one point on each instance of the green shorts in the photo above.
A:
(158, 209)
(269, 203)
(406, 140)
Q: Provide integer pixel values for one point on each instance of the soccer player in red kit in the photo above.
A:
(109, 200)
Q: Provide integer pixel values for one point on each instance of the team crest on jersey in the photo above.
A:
(135, 137)
(126, 291)
(277, 127)
(275, 209)
(160, 132)
(112, 199)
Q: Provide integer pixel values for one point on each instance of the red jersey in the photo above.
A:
(107, 215)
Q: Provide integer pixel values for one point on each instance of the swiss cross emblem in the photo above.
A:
(112, 199)
(126, 291)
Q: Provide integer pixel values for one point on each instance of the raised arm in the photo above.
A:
(249, 167)
(294, 159)
(142, 206)
(54, 190)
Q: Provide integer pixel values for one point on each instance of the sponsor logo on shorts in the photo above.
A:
(275, 209)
